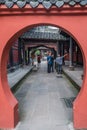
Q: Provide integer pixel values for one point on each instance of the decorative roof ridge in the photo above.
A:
(47, 4)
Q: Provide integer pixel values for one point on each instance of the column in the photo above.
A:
(28, 55)
(11, 57)
(23, 54)
(62, 49)
(70, 55)
(58, 48)
(19, 51)
(76, 55)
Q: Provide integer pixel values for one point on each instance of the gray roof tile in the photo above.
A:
(46, 3)
(42, 35)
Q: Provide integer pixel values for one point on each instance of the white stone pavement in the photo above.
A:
(41, 105)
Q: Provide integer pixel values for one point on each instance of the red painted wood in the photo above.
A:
(12, 25)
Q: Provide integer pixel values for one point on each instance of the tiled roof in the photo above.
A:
(47, 4)
(43, 36)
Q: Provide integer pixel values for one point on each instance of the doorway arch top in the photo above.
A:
(12, 27)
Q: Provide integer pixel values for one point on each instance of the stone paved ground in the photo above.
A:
(16, 76)
(75, 75)
(41, 104)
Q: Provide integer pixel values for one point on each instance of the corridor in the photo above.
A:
(41, 101)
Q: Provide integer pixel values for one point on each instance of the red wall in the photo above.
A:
(12, 26)
(15, 53)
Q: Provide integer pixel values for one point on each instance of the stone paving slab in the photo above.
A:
(40, 104)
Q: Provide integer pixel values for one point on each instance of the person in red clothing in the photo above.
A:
(38, 60)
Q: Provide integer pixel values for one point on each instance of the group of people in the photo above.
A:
(58, 61)
(51, 61)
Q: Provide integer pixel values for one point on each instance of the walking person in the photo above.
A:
(38, 60)
(59, 61)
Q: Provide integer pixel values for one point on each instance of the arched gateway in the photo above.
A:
(71, 17)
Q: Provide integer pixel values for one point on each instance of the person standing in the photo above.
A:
(52, 62)
(49, 62)
(59, 61)
(38, 60)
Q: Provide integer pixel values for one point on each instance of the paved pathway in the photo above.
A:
(16, 76)
(75, 75)
(41, 104)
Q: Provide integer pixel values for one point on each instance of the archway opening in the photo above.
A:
(61, 47)
(63, 43)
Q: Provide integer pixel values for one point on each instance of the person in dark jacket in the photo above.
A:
(52, 62)
(49, 62)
